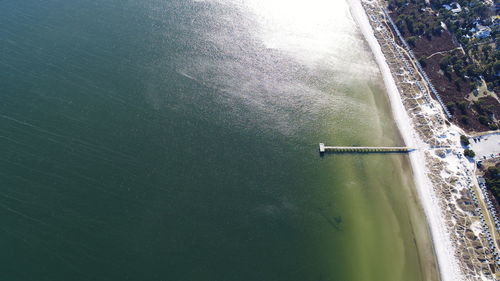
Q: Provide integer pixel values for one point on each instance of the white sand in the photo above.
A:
(448, 264)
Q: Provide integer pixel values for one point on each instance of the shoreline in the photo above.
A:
(441, 248)
(430, 187)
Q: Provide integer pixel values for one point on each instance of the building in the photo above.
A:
(453, 7)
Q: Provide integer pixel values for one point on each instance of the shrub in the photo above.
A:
(464, 140)
(469, 153)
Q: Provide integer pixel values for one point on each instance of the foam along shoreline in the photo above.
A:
(445, 253)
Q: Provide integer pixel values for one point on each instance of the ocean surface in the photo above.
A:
(178, 140)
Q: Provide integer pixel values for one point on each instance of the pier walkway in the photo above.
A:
(363, 149)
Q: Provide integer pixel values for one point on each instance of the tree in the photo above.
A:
(450, 106)
(458, 64)
(480, 9)
(447, 74)
(462, 105)
(471, 70)
(469, 153)
(437, 30)
(412, 40)
(464, 140)
(400, 23)
(483, 120)
(494, 171)
(444, 62)
(492, 177)
(486, 49)
(423, 61)
(419, 28)
(410, 25)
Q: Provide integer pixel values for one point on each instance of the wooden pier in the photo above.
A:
(363, 149)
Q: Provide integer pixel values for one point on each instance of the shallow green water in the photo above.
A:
(177, 140)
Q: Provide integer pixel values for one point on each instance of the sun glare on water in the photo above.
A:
(299, 13)
(315, 27)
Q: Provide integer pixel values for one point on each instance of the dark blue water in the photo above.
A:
(177, 140)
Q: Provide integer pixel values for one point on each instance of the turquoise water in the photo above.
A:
(177, 140)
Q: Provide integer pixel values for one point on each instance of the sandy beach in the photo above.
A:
(421, 127)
